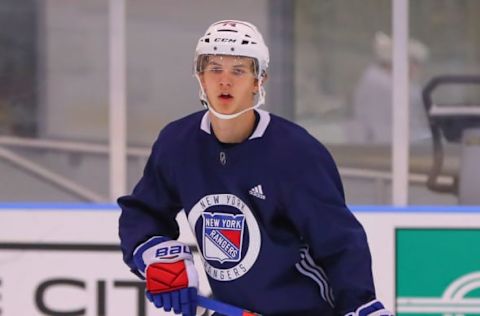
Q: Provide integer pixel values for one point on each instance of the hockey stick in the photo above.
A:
(223, 308)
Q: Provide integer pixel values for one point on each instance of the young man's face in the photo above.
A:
(229, 82)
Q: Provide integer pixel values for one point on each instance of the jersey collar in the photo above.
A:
(259, 131)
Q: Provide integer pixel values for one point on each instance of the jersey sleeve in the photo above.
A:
(336, 241)
(151, 209)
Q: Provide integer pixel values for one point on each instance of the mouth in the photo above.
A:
(225, 96)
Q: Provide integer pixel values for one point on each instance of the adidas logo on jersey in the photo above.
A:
(257, 192)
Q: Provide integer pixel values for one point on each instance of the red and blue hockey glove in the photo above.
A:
(171, 278)
(373, 308)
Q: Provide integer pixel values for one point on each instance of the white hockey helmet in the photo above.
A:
(234, 38)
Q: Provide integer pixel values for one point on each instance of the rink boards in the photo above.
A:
(65, 258)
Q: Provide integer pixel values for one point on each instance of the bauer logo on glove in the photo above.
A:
(172, 252)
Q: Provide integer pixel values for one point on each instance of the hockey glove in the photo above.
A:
(171, 278)
(373, 308)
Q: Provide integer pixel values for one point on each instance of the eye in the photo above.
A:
(215, 69)
(239, 71)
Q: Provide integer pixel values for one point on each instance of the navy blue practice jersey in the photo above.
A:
(269, 216)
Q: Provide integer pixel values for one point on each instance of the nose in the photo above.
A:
(225, 79)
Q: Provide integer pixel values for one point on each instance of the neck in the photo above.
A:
(235, 130)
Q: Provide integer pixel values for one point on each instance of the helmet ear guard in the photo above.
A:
(233, 38)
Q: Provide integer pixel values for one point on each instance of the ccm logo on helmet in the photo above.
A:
(225, 40)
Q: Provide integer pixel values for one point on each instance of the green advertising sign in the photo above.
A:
(438, 272)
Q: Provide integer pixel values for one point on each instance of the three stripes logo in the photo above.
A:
(257, 192)
(309, 268)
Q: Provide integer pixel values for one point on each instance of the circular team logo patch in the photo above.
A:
(230, 237)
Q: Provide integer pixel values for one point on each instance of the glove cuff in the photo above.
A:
(372, 308)
(138, 252)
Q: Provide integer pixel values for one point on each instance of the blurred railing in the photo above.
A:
(379, 177)
(59, 181)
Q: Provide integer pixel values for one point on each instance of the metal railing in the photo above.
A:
(381, 178)
(52, 177)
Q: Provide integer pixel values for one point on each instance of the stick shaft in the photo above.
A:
(222, 308)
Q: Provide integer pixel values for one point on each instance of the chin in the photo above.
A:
(225, 109)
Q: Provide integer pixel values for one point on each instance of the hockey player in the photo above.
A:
(263, 198)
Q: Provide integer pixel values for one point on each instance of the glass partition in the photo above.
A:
(330, 72)
(54, 100)
(343, 88)
(450, 30)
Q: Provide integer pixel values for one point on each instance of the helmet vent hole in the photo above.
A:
(215, 48)
(232, 49)
(207, 40)
(245, 42)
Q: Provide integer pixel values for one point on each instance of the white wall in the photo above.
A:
(24, 269)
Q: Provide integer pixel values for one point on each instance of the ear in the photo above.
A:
(264, 79)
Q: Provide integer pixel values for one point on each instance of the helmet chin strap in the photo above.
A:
(206, 104)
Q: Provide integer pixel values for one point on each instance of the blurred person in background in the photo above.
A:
(372, 99)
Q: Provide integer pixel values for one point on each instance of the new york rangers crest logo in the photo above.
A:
(222, 236)
(228, 235)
